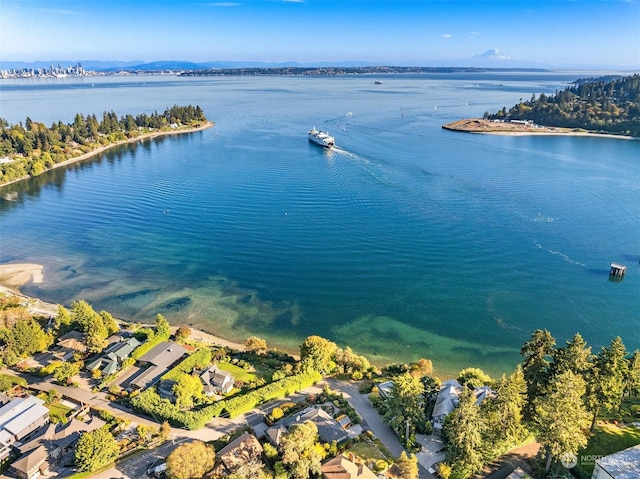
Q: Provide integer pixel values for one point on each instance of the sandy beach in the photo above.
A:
(13, 276)
(481, 126)
(19, 274)
(102, 149)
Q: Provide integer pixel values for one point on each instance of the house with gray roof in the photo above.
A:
(216, 381)
(111, 358)
(619, 465)
(157, 361)
(38, 455)
(20, 419)
(448, 399)
(329, 429)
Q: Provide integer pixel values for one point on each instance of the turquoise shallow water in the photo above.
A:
(408, 241)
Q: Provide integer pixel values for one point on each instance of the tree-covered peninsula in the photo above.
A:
(31, 148)
(607, 105)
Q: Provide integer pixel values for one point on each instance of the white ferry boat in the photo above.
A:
(321, 138)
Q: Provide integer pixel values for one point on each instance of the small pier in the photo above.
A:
(617, 270)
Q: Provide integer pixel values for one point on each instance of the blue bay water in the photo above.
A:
(408, 241)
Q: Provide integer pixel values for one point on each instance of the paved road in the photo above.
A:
(135, 466)
(374, 423)
(361, 404)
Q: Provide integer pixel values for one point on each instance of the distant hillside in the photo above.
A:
(608, 104)
(354, 70)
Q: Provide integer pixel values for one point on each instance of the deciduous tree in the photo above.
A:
(96, 449)
(301, 453)
(253, 343)
(318, 354)
(190, 461)
(473, 378)
(187, 389)
(163, 329)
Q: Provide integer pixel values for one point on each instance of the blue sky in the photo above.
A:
(556, 32)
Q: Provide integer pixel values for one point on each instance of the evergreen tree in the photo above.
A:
(561, 416)
(405, 407)
(607, 382)
(575, 357)
(504, 413)
(407, 466)
(464, 429)
(633, 377)
(536, 367)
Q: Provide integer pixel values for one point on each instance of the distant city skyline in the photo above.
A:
(549, 33)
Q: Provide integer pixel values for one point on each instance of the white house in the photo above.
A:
(619, 465)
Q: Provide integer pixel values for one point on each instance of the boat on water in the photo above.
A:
(321, 138)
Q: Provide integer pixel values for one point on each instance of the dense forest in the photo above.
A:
(607, 104)
(31, 148)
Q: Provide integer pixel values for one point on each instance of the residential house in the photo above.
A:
(71, 343)
(112, 358)
(20, 419)
(38, 455)
(328, 428)
(341, 467)
(448, 399)
(619, 465)
(385, 389)
(216, 381)
(446, 402)
(157, 361)
(244, 450)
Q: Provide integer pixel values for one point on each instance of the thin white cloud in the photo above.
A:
(292, 1)
(50, 11)
(473, 34)
(446, 35)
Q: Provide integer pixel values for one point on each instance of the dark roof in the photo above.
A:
(328, 428)
(164, 354)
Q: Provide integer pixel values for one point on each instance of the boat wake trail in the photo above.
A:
(559, 253)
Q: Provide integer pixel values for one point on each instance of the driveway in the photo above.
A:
(432, 450)
(372, 420)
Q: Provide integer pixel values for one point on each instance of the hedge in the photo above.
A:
(150, 402)
(199, 359)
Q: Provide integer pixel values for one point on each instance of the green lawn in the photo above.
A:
(608, 439)
(368, 453)
(239, 374)
(59, 412)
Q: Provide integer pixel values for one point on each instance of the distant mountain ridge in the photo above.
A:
(492, 58)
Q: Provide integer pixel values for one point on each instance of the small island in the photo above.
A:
(606, 106)
(31, 149)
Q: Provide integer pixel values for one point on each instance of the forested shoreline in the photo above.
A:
(607, 104)
(29, 149)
